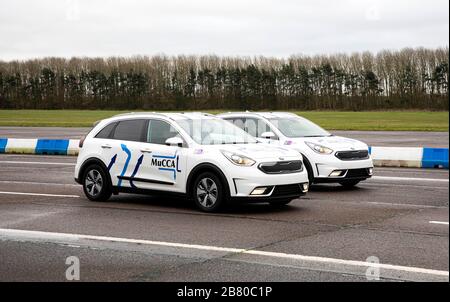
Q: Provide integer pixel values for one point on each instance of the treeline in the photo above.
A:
(406, 79)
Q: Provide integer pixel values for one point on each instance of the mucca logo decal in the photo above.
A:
(164, 163)
(167, 163)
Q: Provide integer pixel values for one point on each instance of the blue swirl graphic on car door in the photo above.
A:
(175, 158)
(127, 161)
(138, 164)
(111, 163)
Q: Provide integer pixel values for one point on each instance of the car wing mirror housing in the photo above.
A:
(268, 135)
(174, 141)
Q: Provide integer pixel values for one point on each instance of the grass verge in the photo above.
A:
(331, 120)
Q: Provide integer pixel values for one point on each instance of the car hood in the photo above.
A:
(261, 151)
(337, 143)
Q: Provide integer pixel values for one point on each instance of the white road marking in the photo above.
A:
(439, 222)
(38, 194)
(36, 235)
(35, 163)
(36, 183)
(408, 178)
(397, 204)
(392, 184)
(410, 170)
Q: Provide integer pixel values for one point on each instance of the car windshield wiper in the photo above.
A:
(239, 143)
(318, 135)
(231, 143)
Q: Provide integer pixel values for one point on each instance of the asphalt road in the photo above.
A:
(398, 216)
(372, 138)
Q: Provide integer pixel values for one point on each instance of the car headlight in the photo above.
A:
(319, 149)
(237, 159)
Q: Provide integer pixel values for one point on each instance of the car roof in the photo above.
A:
(169, 115)
(147, 114)
(267, 115)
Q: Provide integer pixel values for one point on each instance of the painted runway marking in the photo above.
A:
(408, 178)
(36, 235)
(35, 163)
(38, 194)
(439, 222)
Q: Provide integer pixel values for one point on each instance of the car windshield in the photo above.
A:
(211, 131)
(298, 127)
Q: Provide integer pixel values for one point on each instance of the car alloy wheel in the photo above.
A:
(93, 183)
(207, 192)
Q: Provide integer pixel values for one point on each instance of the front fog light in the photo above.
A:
(370, 170)
(305, 187)
(337, 173)
(259, 191)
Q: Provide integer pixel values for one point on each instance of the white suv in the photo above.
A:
(327, 158)
(193, 154)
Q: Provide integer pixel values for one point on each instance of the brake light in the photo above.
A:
(80, 144)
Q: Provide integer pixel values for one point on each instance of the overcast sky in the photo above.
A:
(36, 28)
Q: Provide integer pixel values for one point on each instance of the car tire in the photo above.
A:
(280, 203)
(308, 167)
(209, 193)
(349, 183)
(96, 183)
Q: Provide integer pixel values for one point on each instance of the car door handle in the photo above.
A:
(146, 151)
(106, 146)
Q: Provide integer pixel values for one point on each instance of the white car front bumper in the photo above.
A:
(335, 170)
(287, 185)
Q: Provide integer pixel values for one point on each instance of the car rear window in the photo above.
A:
(106, 131)
(130, 130)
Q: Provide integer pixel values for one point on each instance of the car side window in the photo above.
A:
(130, 130)
(159, 131)
(256, 127)
(264, 127)
(106, 131)
(251, 126)
(239, 122)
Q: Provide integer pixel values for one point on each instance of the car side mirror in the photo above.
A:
(268, 135)
(174, 141)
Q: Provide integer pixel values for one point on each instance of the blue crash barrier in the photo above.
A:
(435, 158)
(3, 142)
(426, 158)
(52, 146)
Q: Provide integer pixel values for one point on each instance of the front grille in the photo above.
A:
(355, 173)
(352, 155)
(287, 190)
(281, 167)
